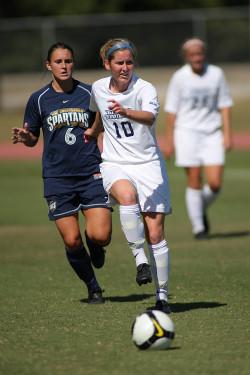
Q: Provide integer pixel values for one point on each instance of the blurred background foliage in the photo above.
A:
(157, 27)
(31, 8)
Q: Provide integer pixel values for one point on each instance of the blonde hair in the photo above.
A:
(112, 45)
(192, 42)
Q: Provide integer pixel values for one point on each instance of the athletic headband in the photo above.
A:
(117, 46)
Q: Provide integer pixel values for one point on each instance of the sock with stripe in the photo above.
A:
(159, 259)
(133, 230)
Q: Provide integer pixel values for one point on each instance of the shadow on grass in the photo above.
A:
(229, 235)
(129, 298)
(173, 348)
(182, 307)
(177, 307)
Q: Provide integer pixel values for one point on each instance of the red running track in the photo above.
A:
(8, 151)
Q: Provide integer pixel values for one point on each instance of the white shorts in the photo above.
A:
(149, 179)
(193, 149)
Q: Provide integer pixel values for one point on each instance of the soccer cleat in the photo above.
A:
(206, 223)
(163, 306)
(96, 252)
(143, 275)
(95, 297)
(203, 235)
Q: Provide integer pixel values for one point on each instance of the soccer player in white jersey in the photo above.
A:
(133, 170)
(198, 106)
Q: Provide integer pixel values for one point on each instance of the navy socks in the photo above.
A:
(80, 262)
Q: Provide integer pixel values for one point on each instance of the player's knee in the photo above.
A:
(101, 238)
(128, 198)
(155, 236)
(215, 187)
(72, 242)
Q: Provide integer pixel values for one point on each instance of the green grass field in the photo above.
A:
(46, 326)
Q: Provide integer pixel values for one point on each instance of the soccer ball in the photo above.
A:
(153, 329)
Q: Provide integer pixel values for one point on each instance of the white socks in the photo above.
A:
(208, 195)
(194, 203)
(133, 230)
(197, 201)
(159, 255)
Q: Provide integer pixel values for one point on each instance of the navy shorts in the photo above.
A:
(66, 196)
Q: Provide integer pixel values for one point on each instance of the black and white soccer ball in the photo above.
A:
(153, 329)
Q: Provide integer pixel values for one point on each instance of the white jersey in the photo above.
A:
(127, 141)
(197, 99)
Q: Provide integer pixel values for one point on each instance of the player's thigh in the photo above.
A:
(98, 224)
(194, 177)
(68, 228)
(117, 182)
(124, 192)
(154, 226)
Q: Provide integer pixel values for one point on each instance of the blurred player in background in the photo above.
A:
(198, 129)
(71, 172)
(133, 169)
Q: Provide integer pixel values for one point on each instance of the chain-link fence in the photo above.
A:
(157, 35)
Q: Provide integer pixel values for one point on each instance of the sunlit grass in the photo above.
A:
(47, 327)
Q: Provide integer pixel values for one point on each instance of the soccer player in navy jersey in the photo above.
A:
(71, 172)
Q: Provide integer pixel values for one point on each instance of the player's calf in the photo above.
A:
(96, 252)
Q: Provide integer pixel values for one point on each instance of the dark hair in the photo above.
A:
(56, 46)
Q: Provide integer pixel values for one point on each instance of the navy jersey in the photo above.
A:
(63, 118)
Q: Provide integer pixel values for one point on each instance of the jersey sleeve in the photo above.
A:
(172, 96)
(149, 100)
(224, 96)
(32, 116)
(92, 105)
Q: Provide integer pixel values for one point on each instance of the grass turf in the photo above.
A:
(48, 328)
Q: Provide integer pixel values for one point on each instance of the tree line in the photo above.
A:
(34, 8)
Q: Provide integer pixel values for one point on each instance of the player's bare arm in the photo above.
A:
(227, 130)
(171, 117)
(143, 117)
(95, 129)
(23, 135)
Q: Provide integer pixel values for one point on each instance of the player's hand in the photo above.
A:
(228, 143)
(20, 135)
(169, 151)
(116, 107)
(90, 134)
